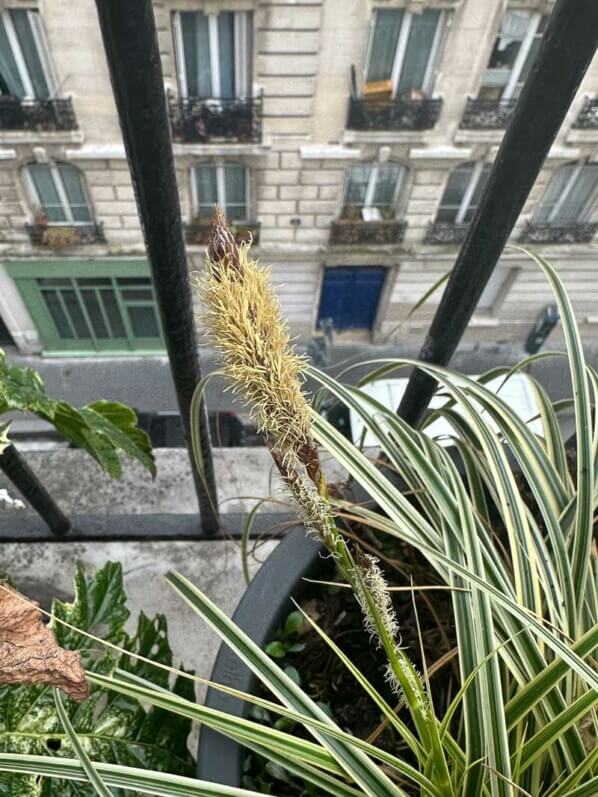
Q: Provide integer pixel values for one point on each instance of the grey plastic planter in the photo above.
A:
(263, 607)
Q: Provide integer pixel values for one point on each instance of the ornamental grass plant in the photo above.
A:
(525, 611)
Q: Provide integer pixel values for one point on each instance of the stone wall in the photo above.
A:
(302, 55)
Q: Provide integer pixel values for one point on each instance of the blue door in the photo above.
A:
(350, 296)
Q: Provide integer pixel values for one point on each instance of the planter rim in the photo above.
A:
(261, 610)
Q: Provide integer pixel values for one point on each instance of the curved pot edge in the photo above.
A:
(260, 612)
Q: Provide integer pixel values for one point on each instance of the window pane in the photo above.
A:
(92, 281)
(235, 188)
(384, 44)
(31, 57)
(54, 282)
(141, 294)
(508, 43)
(419, 47)
(206, 187)
(46, 190)
(454, 192)
(196, 49)
(357, 185)
(529, 62)
(386, 185)
(236, 212)
(72, 181)
(576, 206)
(8, 66)
(447, 214)
(556, 187)
(457, 185)
(492, 289)
(55, 309)
(243, 52)
(477, 193)
(113, 313)
(226, 54)
(144, 322)
(75, 314)
(95, 314)
(134, 281)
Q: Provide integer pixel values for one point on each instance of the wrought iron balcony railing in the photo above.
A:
(393, 114)
(487, 114)
(63, 236)
(577, 233)
(194, 119)
(44, 115)
(349, 231)
(197, 232)
(445, 232)
(588, 116)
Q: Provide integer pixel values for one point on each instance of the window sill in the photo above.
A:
(478, 136)
(36, 136)
(481, 320)
(221, 148)
(61, 353)
(384, 136)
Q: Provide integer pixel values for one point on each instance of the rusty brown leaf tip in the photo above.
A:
(222, 247)
(29, 653)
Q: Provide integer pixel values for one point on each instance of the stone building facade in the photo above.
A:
(351, 138)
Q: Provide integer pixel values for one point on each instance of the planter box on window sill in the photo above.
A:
(443, 232)
(393, 114)
(198, 233)
(64, 236)
(36, 115)
(579, 233)
(348, 231)
(487, 114)
(588, 116)
(199, 120)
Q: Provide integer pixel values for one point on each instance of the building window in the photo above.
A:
(373, 191)
(498, 285)
(462, 193)
(224, 184)
(570, 196)
(514, 53)
(25, 68)
(403, 50)
(75, 310)
(58, 192)
(214, 53)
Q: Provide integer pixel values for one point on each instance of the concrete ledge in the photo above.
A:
(24, 527)
(329, 151)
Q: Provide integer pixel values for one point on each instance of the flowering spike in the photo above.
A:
(243, 321)
(223, 250)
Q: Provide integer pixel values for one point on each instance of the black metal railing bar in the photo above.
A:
(131, 44)
(568, 46)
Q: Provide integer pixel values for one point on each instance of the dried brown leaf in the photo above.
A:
(29, 653)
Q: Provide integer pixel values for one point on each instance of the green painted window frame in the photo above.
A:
(26, 274)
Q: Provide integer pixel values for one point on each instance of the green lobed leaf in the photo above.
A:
(105, 429)
(111, 728)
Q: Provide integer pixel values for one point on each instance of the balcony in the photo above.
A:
(487, 114)
(36, 115)
(356, 231)
(588, 116)
(197, 232)
(371, 114)
(64, 236)
(578, 233)
(445, 232)
(197, 120)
